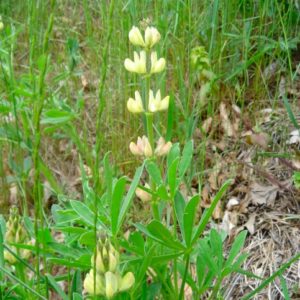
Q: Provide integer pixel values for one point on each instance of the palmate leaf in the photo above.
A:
(189, 218)
(154, 172)
(117, 196)
(187, 155)
(158, 232)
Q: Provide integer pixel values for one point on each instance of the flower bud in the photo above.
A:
(90, 287)
(138, 65)
(111, 284)
(152, 36)
(143, 195)
(135, 105)
(126, 282)
(157, 66)
(135, 37)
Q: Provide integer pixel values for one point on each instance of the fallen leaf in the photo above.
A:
(261, 194)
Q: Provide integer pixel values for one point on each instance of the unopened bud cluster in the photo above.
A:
(15, 234)
(147, 63)
(104, 278)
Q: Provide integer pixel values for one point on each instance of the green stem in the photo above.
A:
(1, 263)
(175, 259)
(216, 289)
(150, 134)
(187, 262)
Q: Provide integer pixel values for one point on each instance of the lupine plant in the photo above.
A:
(102, 252)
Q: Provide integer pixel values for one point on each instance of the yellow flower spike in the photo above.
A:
(162, 148)
(156, 103)
(111, 284)
(88, 284)
(143, 195)
(135, 37)
(152, 36)
(135, 106)
(126, 282)
(157, 66)
(138, 65)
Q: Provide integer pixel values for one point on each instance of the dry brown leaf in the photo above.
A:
(262, 194)
(259, 139)
(206, 126)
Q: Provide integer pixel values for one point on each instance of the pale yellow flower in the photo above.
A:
(157, 66)
(156, 103)
(126, 282)
(138, 65)
(135, 37)
(88, 284)
(152, 36)
(111, 284)
(135, 105)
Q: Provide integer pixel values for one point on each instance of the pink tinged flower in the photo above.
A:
(135, 37)
(156, 103)
(152, 36)
(157, 66)
(141, 148)
(138, 65)
(162, 147)
(135, 106)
